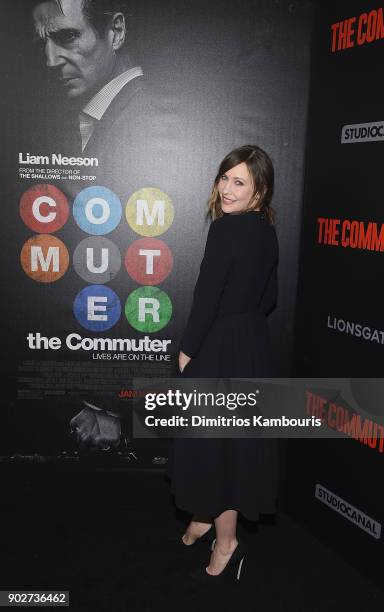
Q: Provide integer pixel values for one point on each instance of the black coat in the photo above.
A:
(227, 336)
(226, 333)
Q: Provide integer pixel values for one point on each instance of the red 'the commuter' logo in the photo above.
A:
(353, 234)
(360, 30)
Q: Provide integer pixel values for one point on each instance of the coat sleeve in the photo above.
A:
(212, 279)
(269, 298)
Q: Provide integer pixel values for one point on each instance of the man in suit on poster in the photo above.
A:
(83, 42)
(85, 49)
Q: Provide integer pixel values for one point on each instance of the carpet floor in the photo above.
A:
(111, 538)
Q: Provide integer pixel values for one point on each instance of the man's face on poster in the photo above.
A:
(82, 59)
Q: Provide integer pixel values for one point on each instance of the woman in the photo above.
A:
(227, 336)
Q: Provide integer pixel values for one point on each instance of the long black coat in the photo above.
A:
(227, 336)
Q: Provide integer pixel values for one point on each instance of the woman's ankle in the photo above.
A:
(227, 546)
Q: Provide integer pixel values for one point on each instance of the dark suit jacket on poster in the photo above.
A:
(133, 142)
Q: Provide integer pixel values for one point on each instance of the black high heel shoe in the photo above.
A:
(232, 569)
(206, 537)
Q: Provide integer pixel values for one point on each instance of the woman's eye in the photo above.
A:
(239, 183)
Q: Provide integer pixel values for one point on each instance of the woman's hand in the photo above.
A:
(183, 360)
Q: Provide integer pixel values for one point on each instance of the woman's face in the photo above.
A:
(235, 189)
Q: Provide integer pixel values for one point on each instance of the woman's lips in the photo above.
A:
(226, 200)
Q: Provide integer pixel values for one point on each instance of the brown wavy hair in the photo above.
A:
(261, 170)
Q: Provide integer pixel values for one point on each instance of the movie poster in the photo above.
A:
(110, 143)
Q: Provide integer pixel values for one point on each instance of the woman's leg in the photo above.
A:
(226, 541)
(198, 526)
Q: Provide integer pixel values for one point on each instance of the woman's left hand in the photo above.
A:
(183, 361)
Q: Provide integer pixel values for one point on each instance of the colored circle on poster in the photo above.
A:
(44, 208)
(97, 210)
(44, 258)
(150, 211)
(149, 261)
(97, 308)
(148, 309)
(97, 259)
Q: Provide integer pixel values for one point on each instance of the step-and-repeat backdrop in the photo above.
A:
(335, 484)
